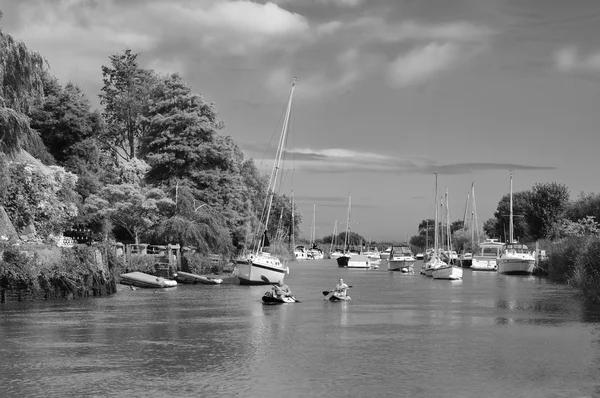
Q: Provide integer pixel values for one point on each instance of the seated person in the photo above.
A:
(340, 288)
(281, 290)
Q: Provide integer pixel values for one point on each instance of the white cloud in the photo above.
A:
(423, 62)
(568, 60)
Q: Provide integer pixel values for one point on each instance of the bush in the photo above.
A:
(200, 264)
(561, 258)
(586, 275)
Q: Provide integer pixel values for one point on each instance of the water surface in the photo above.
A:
(488, 335)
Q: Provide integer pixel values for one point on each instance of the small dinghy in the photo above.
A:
(186, 277)
(269, 299)
(140, 279)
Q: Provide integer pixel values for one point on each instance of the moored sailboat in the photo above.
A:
(260, 265)
(515, 258)
(448, 271)
(434, 259)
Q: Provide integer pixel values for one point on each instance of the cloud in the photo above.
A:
(568, 60)
(421, 63)
(346, 161)
(460, 31)
(337, 3)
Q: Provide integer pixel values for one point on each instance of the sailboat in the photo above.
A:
(261, 267)
(515, 258)
(299, 251)
(334, 253)
(314, 252)
(435, 257)
(344, 259)
(448, 271)
(465, 258)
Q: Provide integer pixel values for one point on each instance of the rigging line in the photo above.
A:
(275, 130)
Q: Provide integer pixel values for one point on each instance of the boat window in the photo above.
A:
(489, 251)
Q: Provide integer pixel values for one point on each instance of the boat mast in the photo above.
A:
(293, 233)
(448, 229)
(435, 233)
(277, 163)
(474, 216)
(313, 231)
(333, 236)
(510, 220)
(346, 243)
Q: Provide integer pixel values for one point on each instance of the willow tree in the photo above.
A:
(20, 85)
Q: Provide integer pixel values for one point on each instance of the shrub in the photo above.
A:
(586, 275)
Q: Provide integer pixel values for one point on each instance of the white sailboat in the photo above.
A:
(448, 271)
(465, 258)
(435, 258)
(334, 253)
(314, 253)
(349, 259)
(260, 267)
(515, 258)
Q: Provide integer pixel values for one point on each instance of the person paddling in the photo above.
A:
(281, 290)
(340, 288)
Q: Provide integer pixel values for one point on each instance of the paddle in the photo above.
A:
(266, 280)
(326, 292)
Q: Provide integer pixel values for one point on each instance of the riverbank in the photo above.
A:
(36, 272)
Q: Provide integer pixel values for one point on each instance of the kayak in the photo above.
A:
(334, 297)
(269, 299)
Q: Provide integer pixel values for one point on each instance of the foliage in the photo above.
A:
(130, 206)
(587, 204)
(490, 228)
(200, 264)
(45, 199)
(521, 208)
(20, 86)
(64, 118)
(142, 263)
(586, 276)
(354, 239)
(125, 96)
(548, 202)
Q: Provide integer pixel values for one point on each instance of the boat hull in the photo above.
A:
(399, 265)
(359, 261)
(447, 272)
(259, 267)
(335, 298)
(484, 264)
(465, 262)
(516, 266)
(141, 279)
(185, 277)
(342, 261)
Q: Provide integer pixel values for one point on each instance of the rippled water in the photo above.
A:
(401, 335)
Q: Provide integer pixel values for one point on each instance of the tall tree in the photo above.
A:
(521, 208)
(548, 203)
(64, 118)
(125, 96)
(20, 86)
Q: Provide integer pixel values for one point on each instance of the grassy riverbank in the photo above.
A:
(575, 260)
(43, 272)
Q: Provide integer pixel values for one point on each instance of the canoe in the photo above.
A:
(141, 279)
(269, 299)
(186, 277)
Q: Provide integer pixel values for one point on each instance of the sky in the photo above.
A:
(388, 91)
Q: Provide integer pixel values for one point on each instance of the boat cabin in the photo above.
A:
(401, 251)
(515, 248)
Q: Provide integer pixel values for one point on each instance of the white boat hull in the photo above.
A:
(484, 264)
(400, 264)
(447, 272)
(522, 265)
(359, 261)
(258, 266)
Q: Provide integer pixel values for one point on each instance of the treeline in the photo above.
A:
(153, 166)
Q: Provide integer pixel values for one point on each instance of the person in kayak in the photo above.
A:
(281, 290)
(340, 288)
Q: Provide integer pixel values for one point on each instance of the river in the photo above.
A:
(401, 335)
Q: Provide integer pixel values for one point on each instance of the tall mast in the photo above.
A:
(313, 232)
(448, 229)
(347, 224)
(333, 236)
(278, 156)
(435, 234)
(293, 233)
(474, 211)
(510, 220)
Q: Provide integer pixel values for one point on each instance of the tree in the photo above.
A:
(125, 95)
(521, 207)
(490, 228)
(548, 202)
(587, 204)
(20, 86)
(130, 206)
(64, 118)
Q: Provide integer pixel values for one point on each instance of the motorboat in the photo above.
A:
(465, 260)
(385, 255)
(401, 259)
(487, 256)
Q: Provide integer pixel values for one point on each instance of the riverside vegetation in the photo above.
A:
(154, 165)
